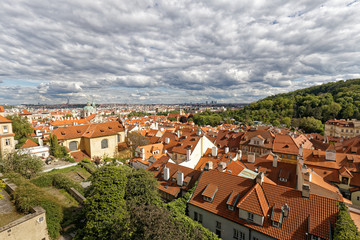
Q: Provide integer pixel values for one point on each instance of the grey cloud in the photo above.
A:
(228, 50)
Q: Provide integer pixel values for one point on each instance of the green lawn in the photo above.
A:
(76, 173)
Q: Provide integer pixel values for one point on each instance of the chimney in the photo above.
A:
(251, 157)
(301, 150)
(188, 153)
(239, 155)
(178, 134)
(260, 178)
(209, 165)
(330, 155)
(222, 166)
(143, 153)
(226, 149)
(307, 177)
(198, 132)
(285, 209)
(166, 173)
(305, 191)
(214, 151)
(167, 140)
(165, 151)
(275, 161)
(180, 178)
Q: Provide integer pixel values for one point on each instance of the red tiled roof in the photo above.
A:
(4, 120)
(2, 109)
(210, 190)
(29, 143)
(321, 210)
(254, 201)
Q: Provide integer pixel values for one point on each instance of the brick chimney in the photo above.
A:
(305, 191)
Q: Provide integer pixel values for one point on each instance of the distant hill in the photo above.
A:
(327, 101)
(331, 100)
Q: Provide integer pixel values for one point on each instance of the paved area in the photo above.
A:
(5, 204)
(57, 165)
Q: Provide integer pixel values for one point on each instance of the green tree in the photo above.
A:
(24, 164)
(311, 125)
(21, 128)
(344, 226)
(136, 139)
(105, 208)
(141, 188)
(55, 149)
(286, 121)
(153, 222)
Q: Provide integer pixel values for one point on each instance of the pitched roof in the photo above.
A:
(2, 109)
(88, 130)
(322, 210)
(4, 120)
(254, 201)
(29, 143)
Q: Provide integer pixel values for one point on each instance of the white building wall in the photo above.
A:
(203, 144)
(227, 227)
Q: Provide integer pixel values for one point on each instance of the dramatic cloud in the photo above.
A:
(173, 51)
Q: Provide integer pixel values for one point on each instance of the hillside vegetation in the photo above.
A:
(327, 101)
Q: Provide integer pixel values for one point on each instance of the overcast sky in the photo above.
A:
(173, 51)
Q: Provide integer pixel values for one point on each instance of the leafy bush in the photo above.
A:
(345, 227)
(25, 164)
(86, 160)
(28, 195)
(57, 180)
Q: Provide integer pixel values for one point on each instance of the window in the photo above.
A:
(250, 216)
(230, 207)
(342, 130)
(73, 146)
(200, 218)
(195, 216)
(357, 131)
(218, 224)
(255, 238)
(276, 224)
(5, 129)
(346, 130)
(118, 138)
(208, 199)
(218, 232)
(104, 143)
(345, 180)
(7, 142)
(238, 235)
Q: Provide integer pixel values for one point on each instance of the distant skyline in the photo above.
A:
(173, 51)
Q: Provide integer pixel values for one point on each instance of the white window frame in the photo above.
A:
(7, 142)
(5, 129)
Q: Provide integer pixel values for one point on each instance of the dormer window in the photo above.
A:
(209, 192)
(276, 224)
(231, 207)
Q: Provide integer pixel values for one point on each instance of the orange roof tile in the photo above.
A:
(321, 210)
(254, 201)
(4, 120)
(29, 143)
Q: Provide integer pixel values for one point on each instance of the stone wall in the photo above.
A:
(31, 227)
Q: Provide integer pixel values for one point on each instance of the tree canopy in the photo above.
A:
(25, 164)
(105, 208)
(21, 128)
(345, 227)
(327, 101)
